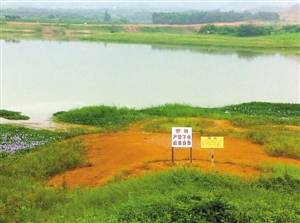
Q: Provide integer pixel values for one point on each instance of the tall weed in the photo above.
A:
(277, 141)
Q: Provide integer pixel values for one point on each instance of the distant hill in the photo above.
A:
(291, 13)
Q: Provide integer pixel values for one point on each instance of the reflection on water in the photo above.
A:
(43, 77)
(248, 55)
(12, 40)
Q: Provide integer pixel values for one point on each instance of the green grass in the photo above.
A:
(23, 177)
(200, 126)
(165, 29)
(277, 141)
(243, 115)
(110, 118)
(277, 170)
(180, 195)
(12, 115)
(287, 43)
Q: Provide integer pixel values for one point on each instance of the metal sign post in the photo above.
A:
(212, 157)
(172, 154)
(182, 138)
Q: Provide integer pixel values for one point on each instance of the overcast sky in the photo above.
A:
(184, 4)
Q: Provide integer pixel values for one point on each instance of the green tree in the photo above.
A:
(209, 28)
(107, 16)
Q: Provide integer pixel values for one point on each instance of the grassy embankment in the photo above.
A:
(181, 195)
(287, 43)
(283, 43)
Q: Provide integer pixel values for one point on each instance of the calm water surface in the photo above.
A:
(43, 77)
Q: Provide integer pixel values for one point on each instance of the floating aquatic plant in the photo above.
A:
(14, 139)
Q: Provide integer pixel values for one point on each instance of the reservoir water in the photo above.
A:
(39, 77)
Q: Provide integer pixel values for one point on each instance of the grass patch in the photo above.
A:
(277, 141)
(12, 115)
(279, 169)
(283, 44)
(110, 118)
(23, 177)
(164, 29)
(243, 115)
(180, 195)
(166, 124)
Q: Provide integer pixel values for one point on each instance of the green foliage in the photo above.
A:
(107, 16)
(23, 195)
(284, 183)
(291, 28)
(58, 15)
(286, 43)
(280, 110)
(278, 169)
(104, 116)
(181, 207)
(111, 29)
(209, 28)
(252, 30)
(245, 115)
(45, 161)
(277, 141)
(166, 29)
(172, 110)
(195, 17)
(261, 113)
(12, 115)
(180, 195)
(166, 124)
(247, 30)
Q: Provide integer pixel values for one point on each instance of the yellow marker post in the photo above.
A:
(212, 142)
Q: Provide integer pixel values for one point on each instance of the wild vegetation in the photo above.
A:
(245, 115)
(183, 194)
(285, 42)
(180, 195)
(130, 15)
(195, 17)
(13, 115)
(16, 139)
(258, 117)
(248, 30)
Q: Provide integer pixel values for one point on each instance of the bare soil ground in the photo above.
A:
(135, 153)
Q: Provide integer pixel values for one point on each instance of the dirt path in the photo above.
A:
(136, 153)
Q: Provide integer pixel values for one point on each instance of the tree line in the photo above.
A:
(195, 17)
(247, 30)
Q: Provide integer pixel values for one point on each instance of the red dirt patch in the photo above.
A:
(137, 153)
